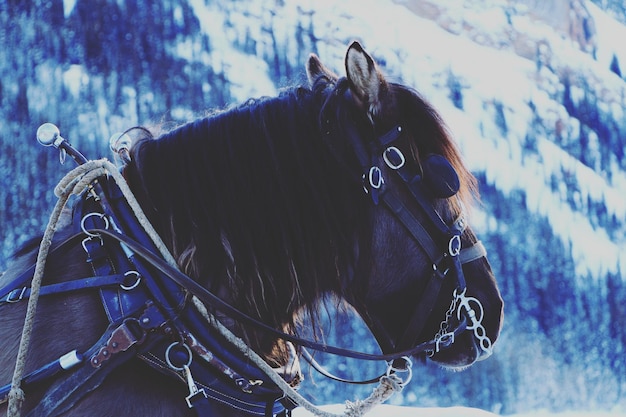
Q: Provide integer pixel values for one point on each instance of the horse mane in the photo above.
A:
(252, 206)
(431, 135)
(428, 132)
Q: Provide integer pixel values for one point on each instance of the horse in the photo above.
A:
(348, 188)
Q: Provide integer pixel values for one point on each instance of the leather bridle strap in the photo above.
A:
(210, 299)
(451, 234)
(413, 226)
(21, 293)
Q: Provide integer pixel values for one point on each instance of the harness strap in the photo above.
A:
(27, 275)
(429, 297)
(22, 293)
(422, 310)
(123, 341)
(473, 253)
(208, 298)
(413, 226)
(319, 368)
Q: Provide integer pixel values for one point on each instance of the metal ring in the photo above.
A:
(168, 360)
(101, 215)
(134, 285)
(454, 245)
(398, 153)
(375, 177)
(408, 368)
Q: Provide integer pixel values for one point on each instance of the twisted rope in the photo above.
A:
(74, 183)
(68, 186)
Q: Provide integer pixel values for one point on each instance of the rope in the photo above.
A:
(63, 191)
(74, 183)
(388, 384)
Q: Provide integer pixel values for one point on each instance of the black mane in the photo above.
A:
(252, 203)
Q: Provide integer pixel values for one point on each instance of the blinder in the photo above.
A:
(440, 177)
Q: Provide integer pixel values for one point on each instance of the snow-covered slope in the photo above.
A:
(510, 94)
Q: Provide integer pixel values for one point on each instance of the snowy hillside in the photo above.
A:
(532, 91)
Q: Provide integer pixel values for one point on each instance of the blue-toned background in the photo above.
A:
(532, 91)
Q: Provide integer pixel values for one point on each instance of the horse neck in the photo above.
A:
(266, 219)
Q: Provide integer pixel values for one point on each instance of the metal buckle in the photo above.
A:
(16, 295)
(395, 154)
(134, 284)
(375, 177)
(454, 245)
(122, 338)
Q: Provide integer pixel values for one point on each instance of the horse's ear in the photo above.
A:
(315, 71)
(367, 83)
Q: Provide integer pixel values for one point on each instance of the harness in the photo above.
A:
(439, 180)
(152, 315)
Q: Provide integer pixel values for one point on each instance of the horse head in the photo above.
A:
(406, 290)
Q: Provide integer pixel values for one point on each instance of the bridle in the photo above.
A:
(150, 316)
(443, 248)
(446, 262)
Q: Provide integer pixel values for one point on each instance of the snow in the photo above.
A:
(385, 410)
(610, 36)
(68, 6)
(75, 78)
(236, 66)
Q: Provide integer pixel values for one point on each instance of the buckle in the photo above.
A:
(194, 392)
(454, 245)
(16, 295)
(375, 177)
(394, 158)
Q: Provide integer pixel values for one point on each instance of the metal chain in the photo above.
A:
(444, 334)
(461, 304)
(475, 323)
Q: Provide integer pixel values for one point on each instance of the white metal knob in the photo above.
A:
(119, 142)
(48, 134)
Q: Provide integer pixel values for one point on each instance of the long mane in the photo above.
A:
(252, 205)
(431, 135)
(253, 202)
